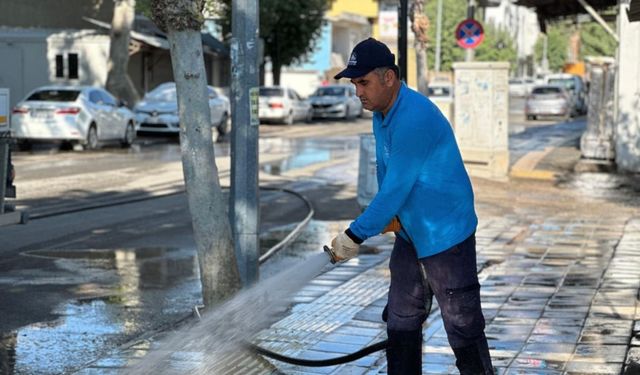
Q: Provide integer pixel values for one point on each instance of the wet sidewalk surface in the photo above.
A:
(559, 297)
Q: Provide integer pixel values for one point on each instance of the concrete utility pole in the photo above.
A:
(438, 35)
(471, 10)
(244, 205)
(402, 38)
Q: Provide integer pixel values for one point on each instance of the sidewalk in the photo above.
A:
(560, 274)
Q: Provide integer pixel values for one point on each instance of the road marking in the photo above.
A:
(525, 167)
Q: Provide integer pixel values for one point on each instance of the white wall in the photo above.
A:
(628, 94)
(521, 22)
(29, 58)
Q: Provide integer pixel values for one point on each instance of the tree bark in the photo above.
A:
(419, 26)
(276, 68)
(118, 81)
(219, 275)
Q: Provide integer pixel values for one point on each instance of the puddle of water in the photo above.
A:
(616, 187)
(104, 298)
(304, 152)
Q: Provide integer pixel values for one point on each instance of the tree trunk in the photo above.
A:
(276, 68)
(219, 274)
(261, 74)
(118, 81)
(420, 25)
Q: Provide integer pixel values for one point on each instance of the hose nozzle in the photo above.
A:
(331, 254)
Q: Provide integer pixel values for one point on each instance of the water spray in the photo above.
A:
(320, 362)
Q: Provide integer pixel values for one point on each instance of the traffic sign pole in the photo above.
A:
(471, 9)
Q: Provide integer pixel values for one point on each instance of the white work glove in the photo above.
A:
(344, 248)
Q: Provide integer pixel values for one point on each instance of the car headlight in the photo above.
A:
(338, 106)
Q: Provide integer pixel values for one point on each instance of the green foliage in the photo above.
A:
(144, 7)
(453, 11)
(557, 44)
(497, 46)
(289, 28)
(596, 41)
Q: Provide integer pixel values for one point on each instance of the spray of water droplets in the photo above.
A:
(210, 344)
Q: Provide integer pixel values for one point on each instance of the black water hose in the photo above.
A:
(320, 362)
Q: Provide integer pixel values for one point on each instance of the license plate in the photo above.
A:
(41, 114)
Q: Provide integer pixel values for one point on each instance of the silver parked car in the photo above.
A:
(283, 105)
(157, 112)
(547, 100)
(336, 101)
(82, 115)
(575, 87)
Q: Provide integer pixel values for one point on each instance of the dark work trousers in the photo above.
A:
(452, 277)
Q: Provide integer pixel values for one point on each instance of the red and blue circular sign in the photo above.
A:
(469, 33)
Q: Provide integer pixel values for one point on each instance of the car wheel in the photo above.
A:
(129, 136)
(225, 125)
(92, 138)
(289, 119)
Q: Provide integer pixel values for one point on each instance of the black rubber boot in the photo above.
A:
(404, 352)
(474, 359)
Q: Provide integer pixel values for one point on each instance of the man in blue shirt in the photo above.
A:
(425, 197)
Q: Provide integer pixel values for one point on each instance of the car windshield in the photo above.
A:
(54, 96)
(163, 94)
(329, 91)
(271, 91)
(546, 90)
(439, 91)
(564, 82)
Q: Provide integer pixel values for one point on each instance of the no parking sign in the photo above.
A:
(469, 33)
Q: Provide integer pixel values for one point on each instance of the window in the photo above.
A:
(270, 91)
(54, 96)
(95, 97)
(72, 60)
(59, 66)
(72, 66)
(108, 99)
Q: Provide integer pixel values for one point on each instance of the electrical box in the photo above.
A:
(481, 105)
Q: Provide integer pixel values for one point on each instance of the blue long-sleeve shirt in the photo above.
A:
(421, 178)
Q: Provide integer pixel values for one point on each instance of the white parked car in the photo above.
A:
(336, 101)
(520, 86)
(157, 112)
(83, 115)
(283, 105)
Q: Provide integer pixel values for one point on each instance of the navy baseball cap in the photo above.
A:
(367, 56)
